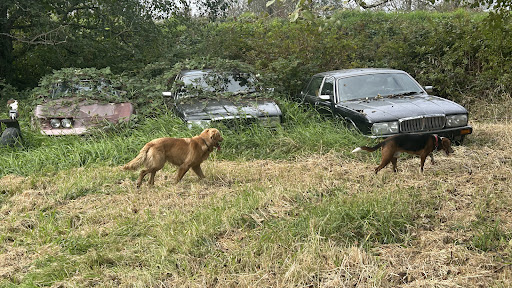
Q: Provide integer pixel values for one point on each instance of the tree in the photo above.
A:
(214, 9)
(305, 8)
(74, 32)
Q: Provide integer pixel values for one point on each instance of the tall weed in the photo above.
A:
(302, 132)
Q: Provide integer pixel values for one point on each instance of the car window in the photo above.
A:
(216, 82)
(373, 85)
(313, 89)
(67, 89)
(328, 87)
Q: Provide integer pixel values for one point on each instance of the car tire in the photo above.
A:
(459, 139)
(11, 136)
(351, 125)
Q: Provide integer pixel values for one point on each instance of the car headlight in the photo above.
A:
(55, 123)
(456, 120)
(66, 123)
(384, 128)
(61, 123)
(200, 123)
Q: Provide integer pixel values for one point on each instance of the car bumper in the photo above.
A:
(233, 121)
(60, 132)
(449, 132)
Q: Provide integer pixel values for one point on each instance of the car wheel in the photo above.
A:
(459, 139)
(351, 125)
(11, 136)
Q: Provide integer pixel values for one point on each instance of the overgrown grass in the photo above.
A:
(302, 133)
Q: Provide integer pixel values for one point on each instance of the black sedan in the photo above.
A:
(206, 97)
(385, 102)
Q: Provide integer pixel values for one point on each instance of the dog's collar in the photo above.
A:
(436, 142)
(206, 143)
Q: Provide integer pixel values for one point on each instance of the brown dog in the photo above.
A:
(416, 144)
(185, 153)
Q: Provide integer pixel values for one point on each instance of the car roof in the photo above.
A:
(195, 72)
(357, 71)
(204, 71)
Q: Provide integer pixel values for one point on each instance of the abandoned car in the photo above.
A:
(79, 102)
(205, 97)
(385, 102)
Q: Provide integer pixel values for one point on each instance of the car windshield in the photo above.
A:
(238, 83)
(375, 85)
(69, 89)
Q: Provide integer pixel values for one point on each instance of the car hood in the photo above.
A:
(85, 114)
(215, 109)
(388, 109)
(84, 110)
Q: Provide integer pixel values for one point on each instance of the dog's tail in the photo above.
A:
(369, 149)
(139, 160)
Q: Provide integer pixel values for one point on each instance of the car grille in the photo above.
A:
(237, 122)
(423, 123)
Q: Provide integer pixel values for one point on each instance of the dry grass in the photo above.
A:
(224, 231)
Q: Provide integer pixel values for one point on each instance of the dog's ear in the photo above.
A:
(443, 142)
(213, 133)
(447, 145)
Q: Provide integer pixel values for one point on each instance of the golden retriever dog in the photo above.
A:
(185, 153)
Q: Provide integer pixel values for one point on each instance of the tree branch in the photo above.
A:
(39, 39)
(76, 8)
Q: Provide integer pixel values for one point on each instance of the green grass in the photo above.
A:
(301, 134)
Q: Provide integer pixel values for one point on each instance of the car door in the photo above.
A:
(320, 93)
(178, 93)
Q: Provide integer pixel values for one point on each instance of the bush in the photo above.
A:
(464, 55)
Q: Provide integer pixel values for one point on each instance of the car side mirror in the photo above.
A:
(429, 89)
(169, 96)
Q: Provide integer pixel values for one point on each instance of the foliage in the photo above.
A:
(201, 62)
(80, 84)
(46, 35)
(7, 92)
(214, 9)
(277, 49)
(464, 55)
(309, 9)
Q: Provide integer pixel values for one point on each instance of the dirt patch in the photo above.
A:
(10, 184)
(16, 260)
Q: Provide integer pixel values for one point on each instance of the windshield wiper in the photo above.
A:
(242, 92)
(408, 93)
